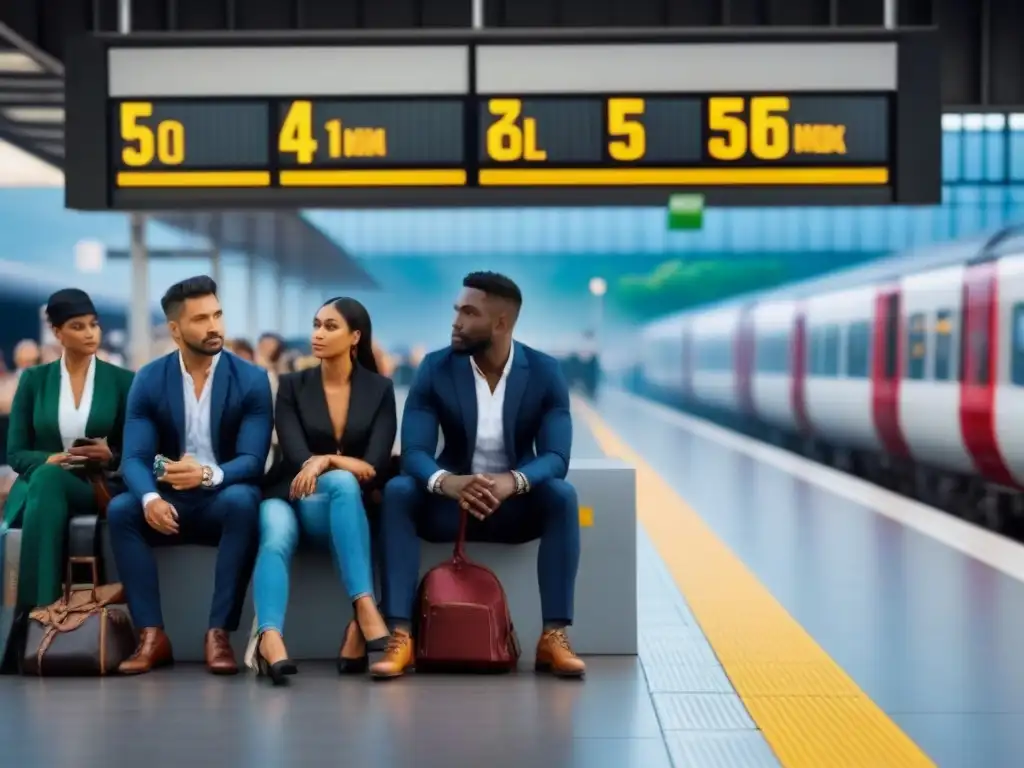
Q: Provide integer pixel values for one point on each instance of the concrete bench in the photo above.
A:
(606, 597)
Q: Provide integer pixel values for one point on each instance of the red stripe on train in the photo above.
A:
(886, 371)
(745, 362)
(980, 358)
(687, 354)
(798, 365)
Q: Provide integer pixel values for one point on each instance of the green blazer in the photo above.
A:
(33, 432)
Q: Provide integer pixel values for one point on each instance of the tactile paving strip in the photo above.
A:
(697, 749)
(702, 712)
(703, 721)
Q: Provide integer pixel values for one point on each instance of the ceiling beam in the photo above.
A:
(40, 57)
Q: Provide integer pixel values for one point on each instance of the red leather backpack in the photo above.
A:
(464, 624)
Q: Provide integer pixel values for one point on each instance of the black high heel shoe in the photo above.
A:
(348, 665)
(375, 644)
(279, 671)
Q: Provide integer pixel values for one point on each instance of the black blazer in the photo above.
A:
(304, 425)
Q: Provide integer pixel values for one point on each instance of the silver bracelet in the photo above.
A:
(438, 481)
(522, 484)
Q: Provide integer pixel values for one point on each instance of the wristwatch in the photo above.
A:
(207, 477)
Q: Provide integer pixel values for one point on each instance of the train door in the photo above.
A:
(745, 362)
(798, 371)
(979, 345)
(886, 370)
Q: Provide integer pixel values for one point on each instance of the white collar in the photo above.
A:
(508, 363)
(64, 372)
(184, 371)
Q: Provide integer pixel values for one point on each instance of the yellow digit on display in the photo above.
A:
(296, 135)
(762, 132)
(769, 128)
(170, 142)
(143, 146)
(507, 140)
(629, 136)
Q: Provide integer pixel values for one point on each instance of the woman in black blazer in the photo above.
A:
(336, 426)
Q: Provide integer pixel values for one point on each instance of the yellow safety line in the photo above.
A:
(810, 711)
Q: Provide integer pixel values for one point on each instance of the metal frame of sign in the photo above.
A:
(493, 64)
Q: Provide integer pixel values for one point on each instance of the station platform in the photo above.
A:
(789, 615)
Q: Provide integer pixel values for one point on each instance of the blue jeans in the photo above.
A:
(335, 516)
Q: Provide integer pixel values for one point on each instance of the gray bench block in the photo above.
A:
(606, 598)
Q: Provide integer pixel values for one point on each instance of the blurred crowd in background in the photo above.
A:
(270, 351)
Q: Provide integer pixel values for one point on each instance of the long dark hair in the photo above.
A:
(357, 319)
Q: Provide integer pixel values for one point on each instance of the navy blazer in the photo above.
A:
(537, 423)
(241, 420)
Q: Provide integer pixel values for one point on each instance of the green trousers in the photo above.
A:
(53, 493)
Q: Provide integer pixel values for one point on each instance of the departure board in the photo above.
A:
(487, 124)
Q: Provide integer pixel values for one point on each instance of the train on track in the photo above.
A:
(908, 371)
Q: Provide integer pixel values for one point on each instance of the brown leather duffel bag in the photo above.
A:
(86, 632)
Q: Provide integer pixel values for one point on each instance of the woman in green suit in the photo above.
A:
(56, 405)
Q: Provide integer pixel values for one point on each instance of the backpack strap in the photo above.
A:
(459, 552)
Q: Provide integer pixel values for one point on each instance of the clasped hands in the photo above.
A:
(480, 495)
(304, 483)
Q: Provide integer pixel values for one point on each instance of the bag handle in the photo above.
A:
(72, 562)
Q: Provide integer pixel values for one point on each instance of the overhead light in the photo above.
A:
(35, 114)
(16, 61)
(974, 122)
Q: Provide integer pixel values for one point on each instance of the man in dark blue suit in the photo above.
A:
(503, 409)
(196, 438)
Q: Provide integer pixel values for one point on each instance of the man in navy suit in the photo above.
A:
(503, 409)
(210, 415)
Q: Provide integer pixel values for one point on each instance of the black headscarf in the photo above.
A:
(66, 304)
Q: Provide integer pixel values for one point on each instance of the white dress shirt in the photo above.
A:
(72, 418)
(489, 451)
(198, 424)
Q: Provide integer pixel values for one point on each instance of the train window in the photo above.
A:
(917, 336)
(771, 353)
(814, 339)
(1017, 357)
(944, 345)
(858, 342)
(892, 329)
(830, 353)
(714, 355)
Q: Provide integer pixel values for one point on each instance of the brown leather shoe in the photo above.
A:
(153, 650)
(220, 656)
(398, 658)
(555, 655)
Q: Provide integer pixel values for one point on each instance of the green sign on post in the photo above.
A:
(685, 212)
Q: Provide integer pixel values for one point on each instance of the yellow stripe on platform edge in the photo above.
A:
(812, 714)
